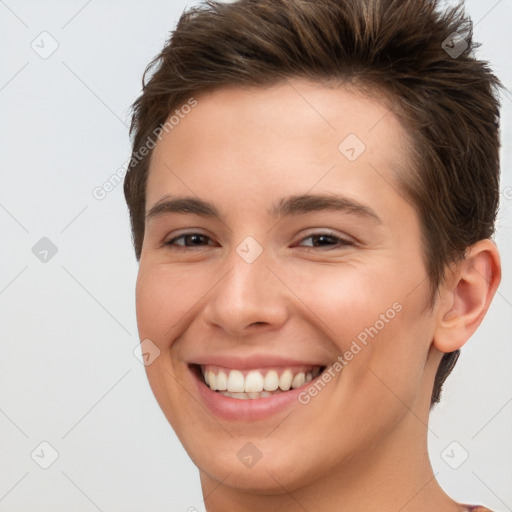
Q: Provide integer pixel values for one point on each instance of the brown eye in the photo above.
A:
(326, 240)
(189, 240)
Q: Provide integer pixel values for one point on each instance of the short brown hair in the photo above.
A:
(447, 100)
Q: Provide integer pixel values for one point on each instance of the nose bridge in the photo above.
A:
(248, 293)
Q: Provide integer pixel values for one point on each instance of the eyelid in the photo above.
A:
(343, 239)
(168, 240)
(347, 240)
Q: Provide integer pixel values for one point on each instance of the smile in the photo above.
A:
(257, 383)
(252, 388)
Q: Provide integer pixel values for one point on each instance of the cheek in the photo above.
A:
(150, 300)
(351, 301)
(378, 326)
(164, 301)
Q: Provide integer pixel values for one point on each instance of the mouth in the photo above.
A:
(256, 383)
(253, 388)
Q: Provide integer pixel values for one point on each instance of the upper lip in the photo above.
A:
(254, 361)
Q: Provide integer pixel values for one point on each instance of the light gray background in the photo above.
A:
(68, 375)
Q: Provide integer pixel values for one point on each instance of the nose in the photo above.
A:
(248, 299)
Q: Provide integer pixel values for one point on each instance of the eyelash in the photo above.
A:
(341, 242)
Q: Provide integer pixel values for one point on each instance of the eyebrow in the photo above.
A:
(292, 205)
(182, 204)
(296, 205)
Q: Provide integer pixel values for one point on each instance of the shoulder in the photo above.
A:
(475, 508)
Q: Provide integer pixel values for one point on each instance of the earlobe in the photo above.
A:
(466, 296)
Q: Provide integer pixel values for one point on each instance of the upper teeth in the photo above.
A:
(255, 381)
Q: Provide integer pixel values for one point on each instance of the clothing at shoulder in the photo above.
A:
(475, 508)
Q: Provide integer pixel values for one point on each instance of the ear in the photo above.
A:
(466, 294)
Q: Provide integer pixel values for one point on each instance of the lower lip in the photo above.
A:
(234, 409)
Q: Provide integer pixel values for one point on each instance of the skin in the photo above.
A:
(362, 441)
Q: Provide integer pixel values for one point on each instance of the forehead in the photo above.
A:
(295, 135)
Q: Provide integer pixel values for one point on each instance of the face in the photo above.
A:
(283, 267)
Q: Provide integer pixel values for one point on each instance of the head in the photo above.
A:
(252, 103)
